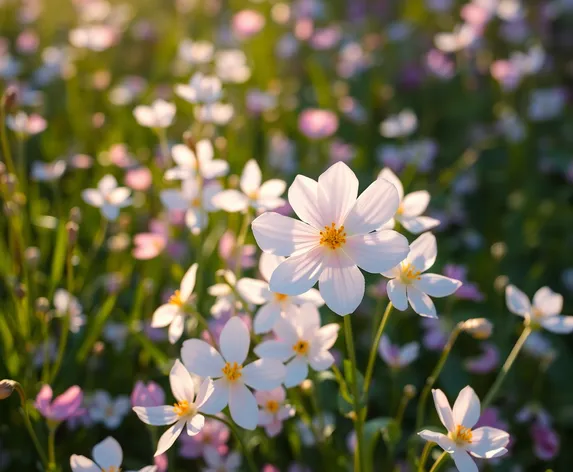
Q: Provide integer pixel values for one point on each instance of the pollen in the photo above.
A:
(273, 407)
(400, 210)
(301, 347)
(461, 435)
(333, 237)
(280, 297)
(409, 273)
(175, 299)
(184, 408)
(112, 468)
(232, 371)
(196, 202)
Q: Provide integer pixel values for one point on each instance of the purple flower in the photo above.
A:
(469, 290)
(435, 335)
(214, 434)
(545, 441)
(148, 395)
(63, 407)
(317, 124)
(484, 363)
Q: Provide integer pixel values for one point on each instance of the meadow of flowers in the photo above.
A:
(273, 235)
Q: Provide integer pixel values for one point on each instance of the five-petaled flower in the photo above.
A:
(108, 197)
(273, 410)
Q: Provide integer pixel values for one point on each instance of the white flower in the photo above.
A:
(216, 113)
(196, 52)
(94, 37)
(184, 414)
(231, 66)
(411, 206)
(48, 172)
(395, 356)
(173, 312)
(200, 89)
(462, 37)
(188, 164)
(217, 463)
(24, 124)
(485, 442)
(195, 199)
(159, 114)
(254, 193)
(274, 410)
(231, 376)
(107, 410)
(273, 304)
(108, 457)
(402, 124)
(545, 312)
(68, 305)
(334, 238)
(108, 197)
(410, 285)
(301, 341)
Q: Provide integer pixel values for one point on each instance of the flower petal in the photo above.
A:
(548, 302)
(341, 284)
(206, 389)
(325, 337)
(83, 464)
(156, 415)
(218, 398)
(195, 425)
(251, 177)
(243, 406)
(231, 201)
(486, 442)
(94, 198)
(419, 224)
(284, 236)
(303, 198)
(202, 359)
(266, 317)
(558, 324)
(517, 302)
(467, 408)
(415, 203)
(235, 340)
(176, 329)
(169, 437)
(423, 252)
(164, 315)
(445, 443)
(463, 461)
(273, 188)
(444, 410)
(437, 285)
(321, 360)
(181, 383)
(264, 374)
(296, 372)
(273, 349)
(397, 294)
(297, 274)
(337, 192)
(108, 454)
(377, 252)
(268, 263)
(391, 177)
(253, 290)
(421, 303)
(188, 282)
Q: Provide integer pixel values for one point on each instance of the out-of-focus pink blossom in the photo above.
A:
(27, 42)
(435, 334)
(63, 407)
(227, 248)
(486, 362)
(303, 29)
(148, 245)
(341, 151)
(147, 394)
(161, 462)
(546, 442)
(317, 124)
(214, 434)
(247, 23)
(138, 179)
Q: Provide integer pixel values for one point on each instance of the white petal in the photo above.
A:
(298, 274)
(286, 330)
(487, 441)
(253, 290)
(268, 263)
(377, 252)
(444, 410)
(423, 252)
(218, 398)
(421, 303)
(419, 224)
(337, 192)
(296, 372)
(558, 324)
(243, 406)
(266, 317)
(251, 177)
(397, 294)
(375, 206)
(341, 284)
(321, 360)
(415, 203)
(156, 415)
(264, 374)
(176, 329)
(169, 437)
(235, 340)
(119, 196)
(231, 201)
(94, 198)
(202, 359)
(188, 283)
(445, 443)
(325, 337)
(284, 236)
(183, 156)
(437, 285)
(107, 184)
(517, 302)
(273, 349)
(181, 383)
(391, 177)
(303, 198)
(164, 315)
(83, 464)
(108, 453)
(110, 212)
(548, 302)
(273, 188)
(409, 353)
(467, 408)
(195, 425)
(312, 296)
(463, 461)
(173, 200)
(215, 168)
(206, 389)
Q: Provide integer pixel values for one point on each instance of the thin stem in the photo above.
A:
(439, 461)
(242, 236)
(359, 453)
(5, 144)
(164, 145)
(233, 428)
(406, 397)
(421, 413)
(506, 366)
(425, 454)
(52, 448)
(374, 348)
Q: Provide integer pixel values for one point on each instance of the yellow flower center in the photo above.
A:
(333, 237)
(409, 273)
(400, 210)
(280, 297)
(254, 195)
(184, 408)
(112, 468)
(175, 299)
(232, 371)
(196, 202)
(273, 406)
(300, 347)
(536, 313)
(461, 435)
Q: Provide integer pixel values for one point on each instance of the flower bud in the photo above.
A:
(410, 391)
(478, 328)
(76, 215)
(306, 386)
(32, 256)
(10, 99)
(42, 305)
(72, 229)
(189, 141)
(7, 386)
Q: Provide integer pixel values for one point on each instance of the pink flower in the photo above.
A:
(545, 441)
(148, 395)
(63, 407)
(138, 179)
(273, 410)
(484, 363)
(214, 434)
(317, 124)
(247, 23)
(148, 245)
(227, 248)
(161, 462)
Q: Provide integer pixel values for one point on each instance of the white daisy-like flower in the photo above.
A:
(159, 114)
(273, 305)
(545, 310)
(395, 356)
(108, 197)
(200, 89)
(402, 124)
(185, 414)
(409, 285)
(301, 341)
(231, 375)
(336, 237)
(189, 164)
(173, 312)
(107, 410)
(274, 409)
(461, 441)
(66, 304)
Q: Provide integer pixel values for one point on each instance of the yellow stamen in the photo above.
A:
(400, 210)
(461, 435)
(280, 297)
(333, 237)
(196, 202)
(112, 468)
(301, 347)
(273, 406)
(175, 299)
(409, 273)
(232, 371)
(184, 408)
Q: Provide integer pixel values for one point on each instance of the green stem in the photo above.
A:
(359, 461)
(374, 349)
(425, 454)
(52, 448)
(5, 144)
(506, 366)
(439, 461)
(246, 451)
(242, 236)
(421, 413)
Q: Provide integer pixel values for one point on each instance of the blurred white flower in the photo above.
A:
(188, 163)
(26, 125)
(66, 304)
(462, 37)
(217, 463)
(108, 197)
(231, 66)
(400, 125)
(216, 113)
(395, 356)
(108, 411)
(196, 52)
(159, 114)
(200, 89)
(48, 171)
(273, 410)
(94, 37)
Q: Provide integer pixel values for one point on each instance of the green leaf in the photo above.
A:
(96, 328)
(392, 434)
(59, 256)
(373, 429)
